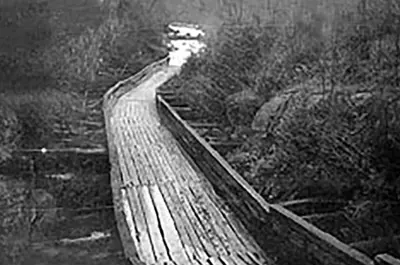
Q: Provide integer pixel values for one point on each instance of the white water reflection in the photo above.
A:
(183, 48)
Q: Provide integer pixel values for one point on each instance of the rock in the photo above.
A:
(267, 112)
(241, 107)
(301, 96)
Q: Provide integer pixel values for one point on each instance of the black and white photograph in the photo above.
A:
(199, 132)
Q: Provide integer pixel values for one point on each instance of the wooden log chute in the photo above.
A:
(156, 204)
(168, 210)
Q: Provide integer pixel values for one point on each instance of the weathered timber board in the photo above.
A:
(128, 244)
(213, 220)
(269, 224)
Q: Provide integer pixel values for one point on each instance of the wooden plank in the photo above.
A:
(184, 200)
(203, 261)
(237, 260)
(124, 139)
(179, 218)
(242, 259)
(145, 135)
(145, 246)
(236, 226)
(127, 206)
(219, 221)
(218, 218)
(235, 229)
(128, 245)
(165, 92)
(129, 218)
(313, 205)
(167, 226)
(129, 174)
(228, 226)
(182, 219)
(152, 221)
(136, 158)
(171, 156)
(146, 120)
(219, 144)
(130, 249)
(155, 119)
(138, 151)
(172, 100)
(127, 229)
(257, 259)
(194, 124)
(386, 259)
(202, 212)
(220, 226)
(182, 109)
(155, 155)
(214, 261)
(209, 223)
(271, 225)
(228, 260)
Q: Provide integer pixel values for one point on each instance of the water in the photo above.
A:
(185, 48)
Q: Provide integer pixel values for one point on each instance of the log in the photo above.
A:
(77, 150)
(386, 259)
(169, 97)
(194, 124)
(315, 217)
(218, 144)
(180, 106)
(378, 245)
(182, 109)
(166, 92)
(313, 205)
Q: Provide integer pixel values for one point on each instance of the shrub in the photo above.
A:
(40, 112)
(320, 140)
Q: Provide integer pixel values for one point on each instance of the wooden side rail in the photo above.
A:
(273, 227)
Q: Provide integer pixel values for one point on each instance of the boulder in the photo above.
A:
(267, 111)
(306, 96)
(241, 107)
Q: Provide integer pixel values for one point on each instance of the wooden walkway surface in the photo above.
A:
(175, 216)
